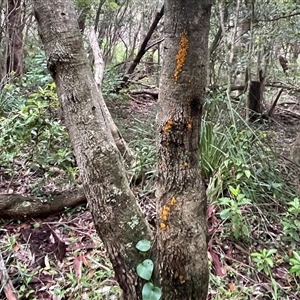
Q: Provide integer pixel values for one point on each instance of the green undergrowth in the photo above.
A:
(143, 173)
(14, 92)
(254, 208)
(35, 142)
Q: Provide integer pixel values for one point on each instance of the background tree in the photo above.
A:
(14, 50)
(252, 42)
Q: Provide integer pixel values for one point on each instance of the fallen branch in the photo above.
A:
(153, 93)
(14, 206)
(283, 112)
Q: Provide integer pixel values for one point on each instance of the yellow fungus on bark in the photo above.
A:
(163, 226)
(181, 54)
(185, 164)
(189, 126)
(173, 201)
(168, 125)
(165, 212)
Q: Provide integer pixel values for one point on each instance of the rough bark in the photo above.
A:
(116, 214)
(14, 59)
(181, 258)
(15, 206)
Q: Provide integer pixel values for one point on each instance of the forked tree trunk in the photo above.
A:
(181, 261)
(180, 251)
(117, 217)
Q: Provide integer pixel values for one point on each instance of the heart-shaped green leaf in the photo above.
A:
(145, 269)
(151, 292)
(143, 245)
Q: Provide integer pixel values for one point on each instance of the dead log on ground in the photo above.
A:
(14, 206)
(152, 93)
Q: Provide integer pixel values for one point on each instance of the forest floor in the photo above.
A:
(62, 257)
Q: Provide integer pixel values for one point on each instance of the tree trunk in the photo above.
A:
(14, 52)
(181, 258)
(117, 217)
(255, 97)
(124, 149)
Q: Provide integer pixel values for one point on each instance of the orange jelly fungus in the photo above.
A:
(168, 125)
(181, 54)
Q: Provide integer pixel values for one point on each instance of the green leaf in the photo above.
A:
(143, 245)
(296, 256)
(151, 292)
(224, 200)
(271, 251)
(225, 213)
(239, 175)
(240, 197)
(256, 254)
(260, 267)
(269, 262)
(276, 185)
(245, 230)
(145, 269)
(294, 262)
(295, 270)
(247, 173)
(234, 191)
(114, 5)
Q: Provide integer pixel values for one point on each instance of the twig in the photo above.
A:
(6, 283)
(154, 43)
(280, 17)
